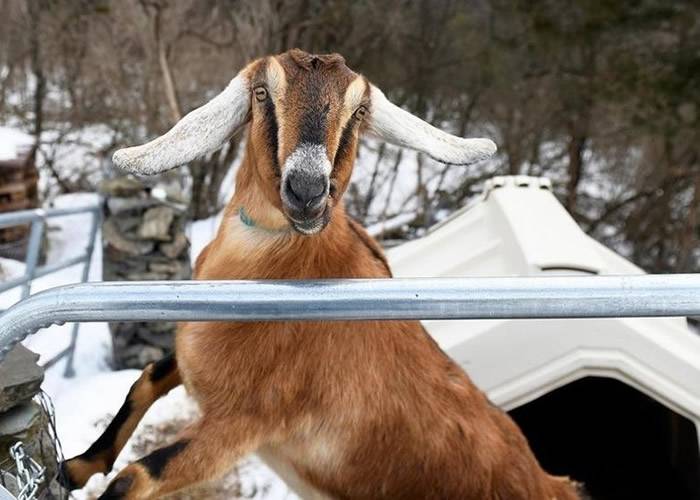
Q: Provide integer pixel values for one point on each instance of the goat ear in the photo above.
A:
(199, 132)
(393, 124)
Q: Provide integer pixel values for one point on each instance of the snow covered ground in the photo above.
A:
(12, 142)
(85, 404)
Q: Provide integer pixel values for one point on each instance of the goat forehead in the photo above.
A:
(328, 78)
(312, 107)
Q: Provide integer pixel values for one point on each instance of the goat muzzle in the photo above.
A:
(305, 189)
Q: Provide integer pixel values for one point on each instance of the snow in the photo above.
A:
(10, 269)
(13, 142)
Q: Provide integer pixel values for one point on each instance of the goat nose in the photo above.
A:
(305, 192)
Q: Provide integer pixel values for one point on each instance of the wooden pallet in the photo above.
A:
(18, 191)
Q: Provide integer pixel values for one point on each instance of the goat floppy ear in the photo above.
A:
(199, 132)
(393, 124)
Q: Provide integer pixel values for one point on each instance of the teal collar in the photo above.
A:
(248, 221)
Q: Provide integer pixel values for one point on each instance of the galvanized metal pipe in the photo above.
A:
(34, 247)
(37, 218)
(20, 217)
(419, 298)
(69, 370)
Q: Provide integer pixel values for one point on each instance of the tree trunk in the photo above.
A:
(576, 147)
(207, 173)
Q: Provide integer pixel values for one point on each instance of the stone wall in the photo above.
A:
(143, 239)
(22, 419)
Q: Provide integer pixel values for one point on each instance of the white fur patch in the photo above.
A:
(308, 158)
(277, 86)
(276, 77)
(393, 124)
(200, 132)
(352, 100)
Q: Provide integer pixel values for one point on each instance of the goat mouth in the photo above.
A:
(309, 227)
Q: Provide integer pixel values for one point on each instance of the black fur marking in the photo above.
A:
(271, 130)
(312, 129)
(156, 462)
(163, 367)
(64, 479)
(117, 489)
(370, 245)
(345, 140)
(106, 441)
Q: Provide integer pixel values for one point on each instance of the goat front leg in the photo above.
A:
(156, 380)
(204, 451)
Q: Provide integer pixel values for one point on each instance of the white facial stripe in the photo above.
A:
(352, 100)
(277, 85)
(275, 76)
(311, 159)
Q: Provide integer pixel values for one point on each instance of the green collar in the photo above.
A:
(248, 221)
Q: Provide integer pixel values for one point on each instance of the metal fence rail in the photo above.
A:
(37, 218)
(439, 298)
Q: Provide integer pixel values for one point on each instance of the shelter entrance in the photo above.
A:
(619, 442)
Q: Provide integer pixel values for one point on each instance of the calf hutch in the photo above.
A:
(613, 402)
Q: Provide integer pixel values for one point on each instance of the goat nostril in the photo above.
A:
(304, 194)
(314, 201)
(291, 193)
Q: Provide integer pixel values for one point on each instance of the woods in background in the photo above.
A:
(602, 97)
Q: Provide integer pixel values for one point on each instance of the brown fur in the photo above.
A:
(366, 409)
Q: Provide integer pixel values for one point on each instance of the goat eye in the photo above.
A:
(260, 94)
(360, 112)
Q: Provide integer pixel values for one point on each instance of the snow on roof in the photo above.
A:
(13, 143)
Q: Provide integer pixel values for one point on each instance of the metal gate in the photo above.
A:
(38, 219)
(362, 299)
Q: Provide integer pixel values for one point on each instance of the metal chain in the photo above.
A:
(29, 473)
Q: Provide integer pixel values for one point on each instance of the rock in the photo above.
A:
(118, 205)
(126, 224)
(161, 337)
(121, 186)
(114, 238)
(138, 356)
(148, 276)
(10, 484)
(174, 249)
(118, 269)
(156, 224)
(27, 423)
(20, 377)
(149, 354)
(19, 419)
(170, 267)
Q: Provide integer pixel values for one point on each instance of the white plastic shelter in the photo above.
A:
(519, 228)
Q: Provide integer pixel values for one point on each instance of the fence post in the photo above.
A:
(33, 250)
(69, 371)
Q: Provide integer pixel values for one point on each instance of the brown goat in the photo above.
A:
(340, 409)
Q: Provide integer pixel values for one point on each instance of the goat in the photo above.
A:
(340, 409)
